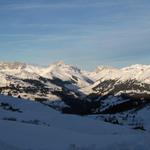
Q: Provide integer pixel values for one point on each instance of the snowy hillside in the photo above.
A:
(112, 106)
(136, 72)
(133, 81)
(34, 82)
(55, 70)
(28, 125)
(107, 90)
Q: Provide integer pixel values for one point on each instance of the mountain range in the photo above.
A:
(112, 94)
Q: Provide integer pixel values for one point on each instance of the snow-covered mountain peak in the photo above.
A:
(137, 67)
(61, 65)
(104, 72)
(12, 66)
(58, 63)
(66, 72)
(59, 68)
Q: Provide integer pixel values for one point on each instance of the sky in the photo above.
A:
(84, 33)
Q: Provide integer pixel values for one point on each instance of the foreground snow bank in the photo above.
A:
(26, 125)
(24, 136)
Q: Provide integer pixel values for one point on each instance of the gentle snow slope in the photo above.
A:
(38, 127)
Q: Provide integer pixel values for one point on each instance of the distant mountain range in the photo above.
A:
(106, 90)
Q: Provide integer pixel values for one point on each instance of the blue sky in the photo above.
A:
(84, 33)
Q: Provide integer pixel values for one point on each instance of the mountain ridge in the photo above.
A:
(107, 90)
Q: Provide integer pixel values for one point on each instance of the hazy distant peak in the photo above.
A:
(10, 65)
(137, 66)
(58, 63)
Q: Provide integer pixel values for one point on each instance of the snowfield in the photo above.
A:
(120, 99)
(28, 125)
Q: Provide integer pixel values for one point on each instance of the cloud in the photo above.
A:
(71, 4)
(50, 6)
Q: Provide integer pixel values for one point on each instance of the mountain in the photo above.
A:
(107, 90)
(130, 82)
(110, 101)
(138, 72)
(33, 82)
(123, 94)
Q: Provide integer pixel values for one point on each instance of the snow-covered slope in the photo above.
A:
(137, 72)
(55, 70)
(71, 77)
(66, 72)
(34, 82)
(60, 85)
(117, 96)
(109, 77)
(30, 125)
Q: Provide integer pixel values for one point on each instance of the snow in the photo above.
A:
(15, 74)
(29, 125)
(57, 131)
(45, 138)
(112, 101)
(138, 72)
(65, 72)
(58, 70)
(143, 114)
